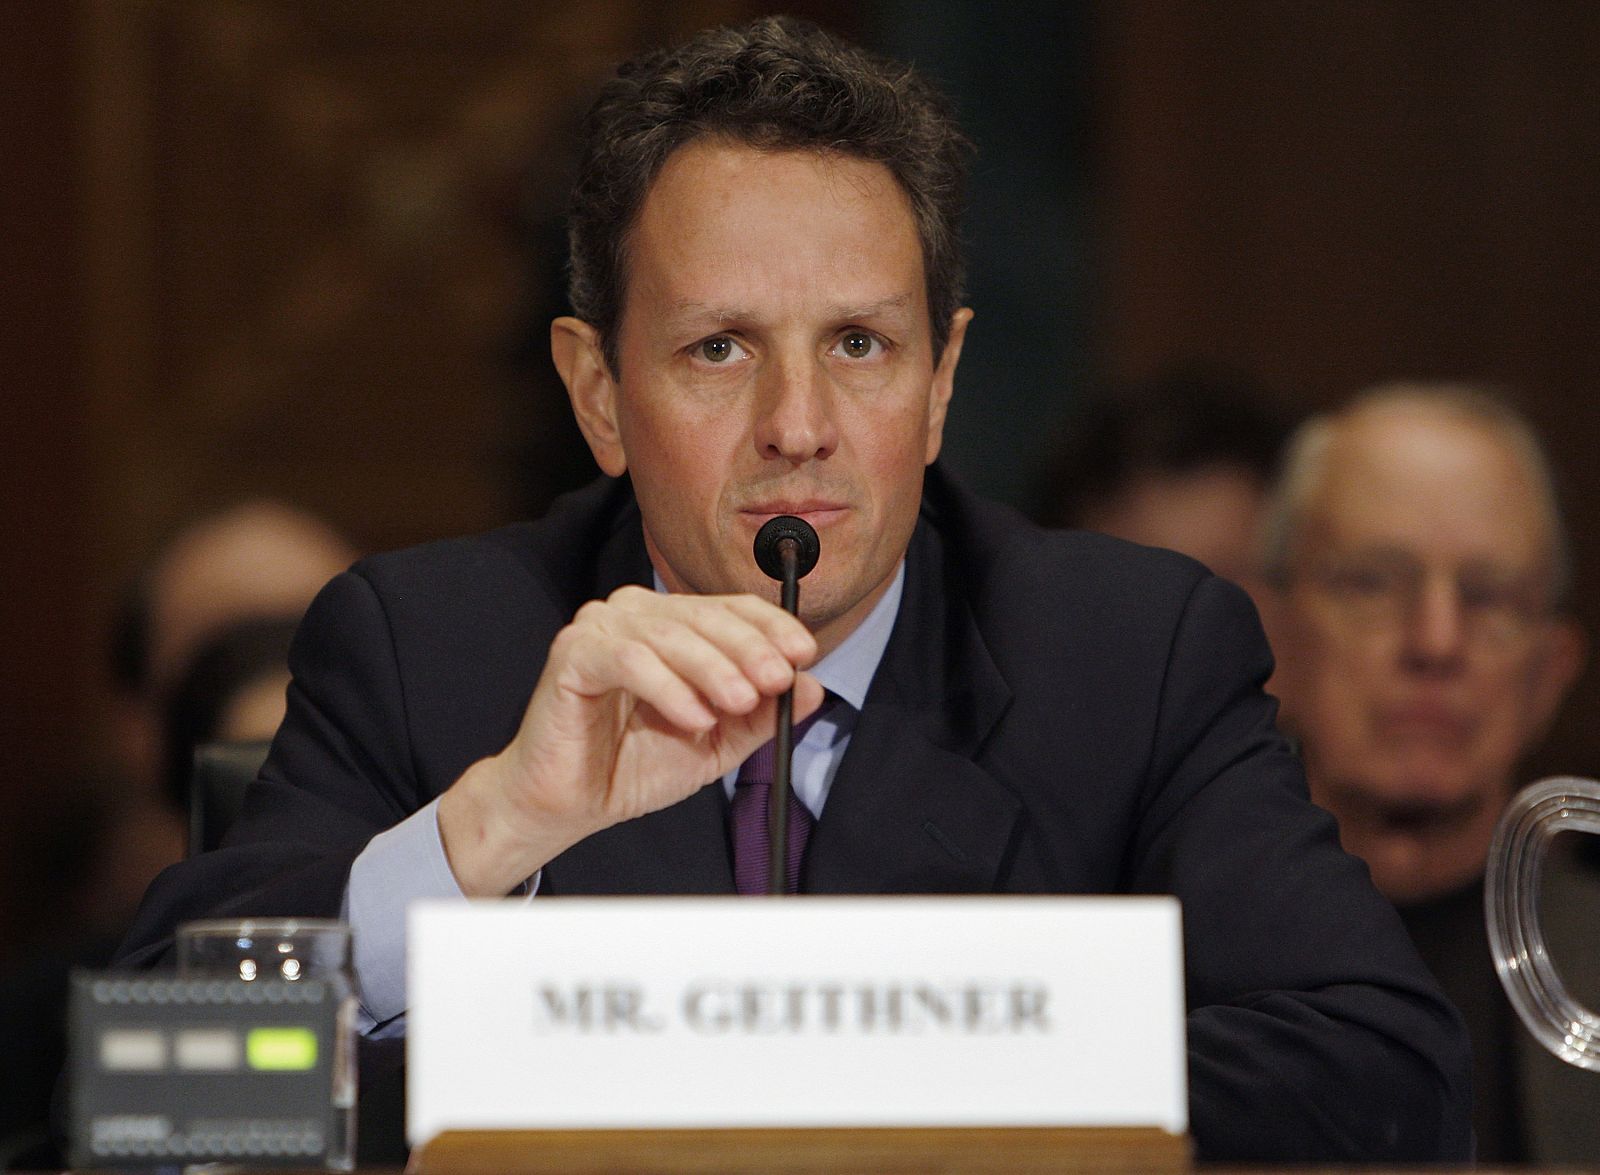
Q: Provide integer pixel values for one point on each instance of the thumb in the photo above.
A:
(808, 695)
(742, 735)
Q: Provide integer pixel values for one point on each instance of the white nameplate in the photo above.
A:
(742, 1012)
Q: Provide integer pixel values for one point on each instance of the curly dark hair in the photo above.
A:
(776, 84)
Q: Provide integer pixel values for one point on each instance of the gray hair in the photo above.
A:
(1305, 461)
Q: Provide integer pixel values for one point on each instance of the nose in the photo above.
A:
(795, 412)
(1436, 627)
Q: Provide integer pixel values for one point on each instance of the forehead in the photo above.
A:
(730, 227)
(1438, 485)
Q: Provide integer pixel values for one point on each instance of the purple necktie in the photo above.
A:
(752, 849)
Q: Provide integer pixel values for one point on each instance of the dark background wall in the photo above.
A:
(1020, 76)
(306, 249)
(45, 529)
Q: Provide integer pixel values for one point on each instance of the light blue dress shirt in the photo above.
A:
(407, 863)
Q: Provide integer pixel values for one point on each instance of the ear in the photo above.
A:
(944, 382)
(580, 360)
(1565, 652)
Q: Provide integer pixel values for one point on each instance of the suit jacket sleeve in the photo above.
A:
(345, 745)
(1315, 1031)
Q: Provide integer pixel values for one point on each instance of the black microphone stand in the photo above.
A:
(783, 745)
(786, 548)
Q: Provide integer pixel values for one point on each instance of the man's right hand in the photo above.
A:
(644, 699)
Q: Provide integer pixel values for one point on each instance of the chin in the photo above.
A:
(821, 607)
(1425, 783)
(1427, 791)
(1375, 780)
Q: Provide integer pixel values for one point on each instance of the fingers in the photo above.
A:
(786, 632)
(741, 624)
(643, 698)
(603, 663)
(808, 694)
(742, 734)
(694, 658)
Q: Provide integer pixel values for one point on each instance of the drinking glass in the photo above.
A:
(265, 948)
(1511, 904)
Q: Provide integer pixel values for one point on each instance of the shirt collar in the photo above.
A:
(848, 670)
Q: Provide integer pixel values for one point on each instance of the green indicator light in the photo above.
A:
(281, 1050)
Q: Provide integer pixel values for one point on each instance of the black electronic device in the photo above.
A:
(170, 1071)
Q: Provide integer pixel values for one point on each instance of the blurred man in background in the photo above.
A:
(259, 560)
(1418, 568)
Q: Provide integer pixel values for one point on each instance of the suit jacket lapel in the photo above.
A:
(682, 849)
(909, 810)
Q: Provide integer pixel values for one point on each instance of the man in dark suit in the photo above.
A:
(767, 289)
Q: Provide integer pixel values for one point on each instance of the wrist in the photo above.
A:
(486, 846)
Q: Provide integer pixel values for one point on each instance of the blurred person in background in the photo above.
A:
(259, 559)
(1418, 568)
(1182, 462)
(233, 691)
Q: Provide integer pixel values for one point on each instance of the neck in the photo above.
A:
(1415, 853)
(832, 633)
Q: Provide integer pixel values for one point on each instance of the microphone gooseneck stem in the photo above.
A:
(783, 746)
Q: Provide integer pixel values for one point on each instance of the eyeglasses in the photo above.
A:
(1386, 588)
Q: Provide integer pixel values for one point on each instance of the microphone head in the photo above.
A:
(786, 526)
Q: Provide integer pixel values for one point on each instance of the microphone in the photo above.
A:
(786, 548)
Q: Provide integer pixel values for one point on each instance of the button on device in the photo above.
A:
(210, 1049)
(281, 1050)
(133, 1050)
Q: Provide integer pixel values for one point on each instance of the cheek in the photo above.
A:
(678, 447)
(1342, 680)
(892, 447)
(1508, 705)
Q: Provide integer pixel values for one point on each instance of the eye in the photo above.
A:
(858, 344)
(1364, 580)
(1491, 594)
(720, 349)
(1371, 579)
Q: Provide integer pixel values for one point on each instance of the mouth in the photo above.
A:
(1426, 722)
(819, 513)
(1429, 815)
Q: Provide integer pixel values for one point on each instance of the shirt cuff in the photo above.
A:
(405, 864)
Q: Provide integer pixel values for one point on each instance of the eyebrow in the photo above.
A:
(1471, 565)
(685, 311)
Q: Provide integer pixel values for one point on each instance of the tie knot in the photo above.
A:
(762, 764)
(750, 817)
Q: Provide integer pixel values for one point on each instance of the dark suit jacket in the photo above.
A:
(1055, 712)
(1530, 1106)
